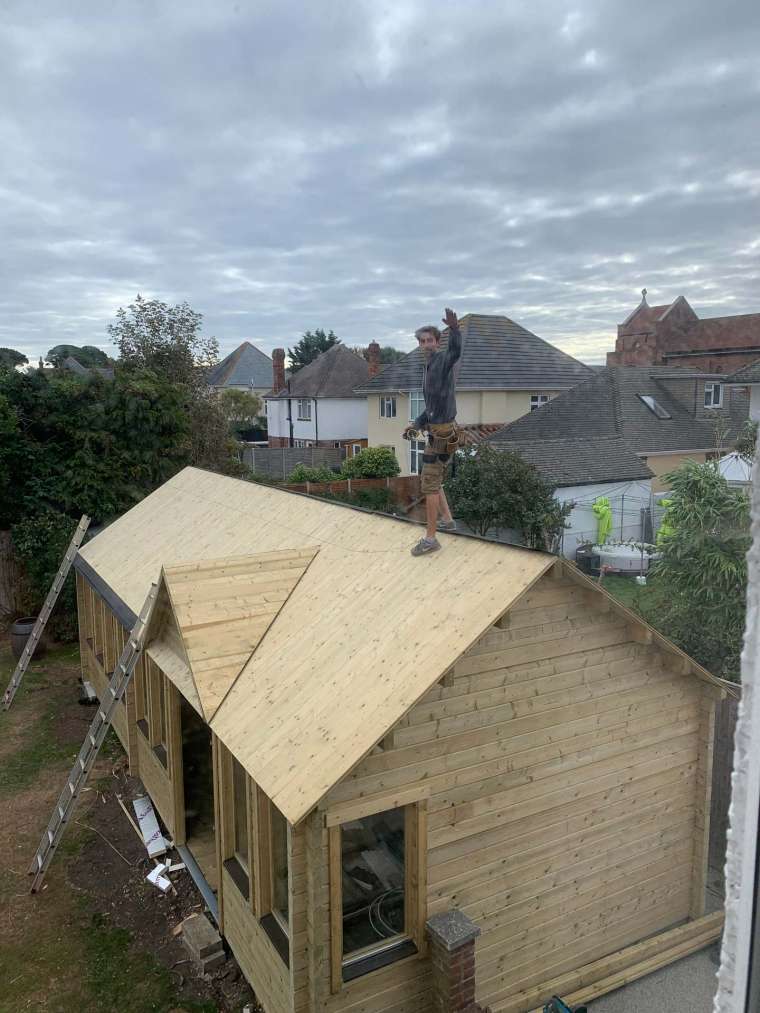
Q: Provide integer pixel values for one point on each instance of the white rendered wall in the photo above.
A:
(754, 402)
(741, 855)
(331, 419)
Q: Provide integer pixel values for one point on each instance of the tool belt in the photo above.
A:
(443, 438)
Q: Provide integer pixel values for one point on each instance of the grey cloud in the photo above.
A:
(358, 166)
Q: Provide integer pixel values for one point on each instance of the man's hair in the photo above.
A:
(428, 330)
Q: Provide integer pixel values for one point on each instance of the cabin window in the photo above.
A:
(376, 890)
(273, 894)
(141, 696)
(157, 708)
(237, 836)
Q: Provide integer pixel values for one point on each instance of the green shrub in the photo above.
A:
(302, 473)
(372, 462)
(41, 542)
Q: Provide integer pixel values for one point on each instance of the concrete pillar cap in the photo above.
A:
(452, 929)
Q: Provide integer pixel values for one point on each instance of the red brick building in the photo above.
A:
(673, 335)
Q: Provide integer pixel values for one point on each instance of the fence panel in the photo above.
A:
(278, 462)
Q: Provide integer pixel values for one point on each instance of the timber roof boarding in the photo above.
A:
(302, 631)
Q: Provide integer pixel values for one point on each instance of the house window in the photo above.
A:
(356, 448)
(654, 406)
(377, 890)
(536, 400)
(336, 444)
(416, 404)
(303, 410)
(416, 448)
(713, 395)
(299, 443)
(387, 408)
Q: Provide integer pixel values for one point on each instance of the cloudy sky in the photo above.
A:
(359, 165)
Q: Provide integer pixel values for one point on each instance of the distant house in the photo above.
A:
(247, 368)
(673, 335)
(75, 366)
(664, 416)
(317, 406)
(505, 371)
(749, 377)
(581, 470)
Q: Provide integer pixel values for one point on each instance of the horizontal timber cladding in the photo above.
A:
(562, 767)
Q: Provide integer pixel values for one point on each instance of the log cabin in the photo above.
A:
(350, 745)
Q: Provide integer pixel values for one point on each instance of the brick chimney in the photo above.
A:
(278, 369)
(374, 358)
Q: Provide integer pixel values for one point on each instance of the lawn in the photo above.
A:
(643, 599)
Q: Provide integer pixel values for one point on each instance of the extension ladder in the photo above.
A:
(47, 608)
(122, 673)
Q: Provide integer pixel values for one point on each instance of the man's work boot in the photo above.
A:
(425, 545)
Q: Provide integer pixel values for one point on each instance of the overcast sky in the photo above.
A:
(359, 165)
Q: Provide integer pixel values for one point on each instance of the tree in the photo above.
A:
(746, 440)
(10, 358)
(388, 354)
(498, 489)
(309, 347)
(87, 355)
(701, 577)
(240, 407)
(167, 339)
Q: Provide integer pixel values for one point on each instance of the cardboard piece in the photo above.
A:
(146, 819)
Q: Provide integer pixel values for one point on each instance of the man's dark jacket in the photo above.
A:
(438, 384)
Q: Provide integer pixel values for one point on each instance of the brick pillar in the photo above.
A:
(452, 938)
(278, 369)
(373, 358)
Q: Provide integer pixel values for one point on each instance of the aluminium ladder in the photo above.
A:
(122, 673)
(47, 608)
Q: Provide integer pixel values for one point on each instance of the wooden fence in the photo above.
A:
(10, 579)
(723, 762)
(278, 462)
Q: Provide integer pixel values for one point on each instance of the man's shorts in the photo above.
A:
(442, 442)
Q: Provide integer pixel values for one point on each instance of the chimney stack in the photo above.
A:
(374, 359)
(278, 370)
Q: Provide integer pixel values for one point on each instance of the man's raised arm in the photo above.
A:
(454, 347)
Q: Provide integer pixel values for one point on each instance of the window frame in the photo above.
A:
(416, 397)
(540, 400)
(416, 447)
(713, 384)
(158, 704)
(407, 944)
(356, 448)
(388, 406)
(243, 878)
(303, 414)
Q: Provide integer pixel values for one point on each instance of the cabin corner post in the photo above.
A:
(703, 799)
(452, 938)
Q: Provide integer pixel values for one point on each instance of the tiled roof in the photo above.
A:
(497, 354)
(609, 405)
(473, 434)
(75, 366)
(247, 366)
(334, 373)
(747, 374)
(579, 461)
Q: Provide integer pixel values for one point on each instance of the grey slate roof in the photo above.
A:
(747, 374)
(334, 373)
(608, 405)
(578, 461)
(497, 354)
(247, 366)
(75, 366)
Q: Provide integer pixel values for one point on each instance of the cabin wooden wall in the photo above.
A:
(562, 763)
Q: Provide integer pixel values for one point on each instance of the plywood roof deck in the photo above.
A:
(364, 633)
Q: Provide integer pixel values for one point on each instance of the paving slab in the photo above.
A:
(688, 986)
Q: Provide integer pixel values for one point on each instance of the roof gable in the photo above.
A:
(219, 610)
(334, 373)
(497, 354)
(246, 366)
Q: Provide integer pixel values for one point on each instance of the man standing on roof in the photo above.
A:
(439, 421)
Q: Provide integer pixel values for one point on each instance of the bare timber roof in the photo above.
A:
(353, 647)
